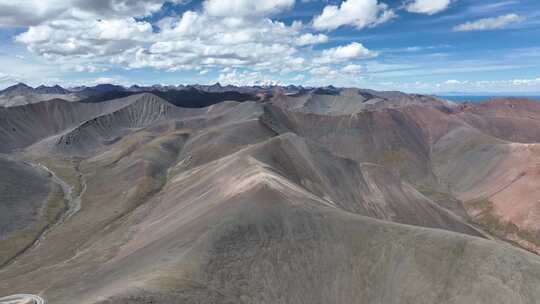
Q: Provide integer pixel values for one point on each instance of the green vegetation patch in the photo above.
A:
(393, 157)
(443, 199)
(481, 205)
(495, 225)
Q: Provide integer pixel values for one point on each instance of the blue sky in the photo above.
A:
(425, 46)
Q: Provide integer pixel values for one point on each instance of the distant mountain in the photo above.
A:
(326, 91)
(21, 94)
(194, 98)
(214, 88)
(20, 88)
(51, 90)
(189, 97)
(86, 92)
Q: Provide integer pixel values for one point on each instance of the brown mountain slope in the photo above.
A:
(215, 232)
(472, 152)
(31, 202)
(262, 203)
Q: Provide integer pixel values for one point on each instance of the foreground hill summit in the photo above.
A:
(212, 194)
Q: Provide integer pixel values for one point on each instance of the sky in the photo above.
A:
(423, 46)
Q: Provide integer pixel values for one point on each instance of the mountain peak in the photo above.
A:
(56, 89)
(19, 87)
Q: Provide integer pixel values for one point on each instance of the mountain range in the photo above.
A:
(222, 194)
(21, 94)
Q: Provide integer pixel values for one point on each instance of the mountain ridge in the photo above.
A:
(272, 199)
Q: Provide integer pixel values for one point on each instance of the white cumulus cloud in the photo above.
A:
(201, 41)
(489, 23)
(197, 39)
(310, 38)
(345, 53)
(452, 82)
(30, 12)
(324, 71)
(246, 78)
(353, 69)
(358, 13)
(525, 85)
(35, 12)
(526, 82)
(89, 38)
(428, 7)
(190, 41)
(236, 8)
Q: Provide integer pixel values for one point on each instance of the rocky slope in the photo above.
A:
(324, 196)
